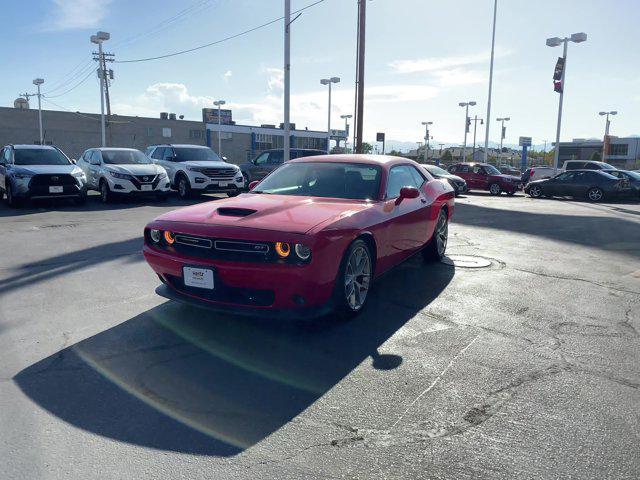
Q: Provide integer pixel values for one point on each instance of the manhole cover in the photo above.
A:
(466, 261)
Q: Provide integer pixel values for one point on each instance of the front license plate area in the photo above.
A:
(56, 189)
(223, 184)
(198, 277)
(147, 188)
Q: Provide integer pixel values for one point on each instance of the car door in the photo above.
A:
(83, 164)
(557, 186)
(464, 172)
(481, 177)
(406, 228)
(95, 160)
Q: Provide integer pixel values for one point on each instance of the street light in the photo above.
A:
(329, 81)
(219, 103)
(502, 132)
(37, 82)
(346, 129)
(98, 39)
(466, 126)
(556, 42)
(426, 137)
(605, 144)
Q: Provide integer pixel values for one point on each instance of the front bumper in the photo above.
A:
(23, 190)
(203, 183)
(127, 187)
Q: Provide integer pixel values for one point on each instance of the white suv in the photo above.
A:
(197, 169)
(123, 171)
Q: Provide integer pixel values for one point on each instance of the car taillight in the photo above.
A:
(531, 173)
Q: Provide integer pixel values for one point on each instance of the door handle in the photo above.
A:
(423, 200)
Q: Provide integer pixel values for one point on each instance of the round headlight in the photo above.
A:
(302, 251)
(283, 249)
(155, 235)
(169, 237)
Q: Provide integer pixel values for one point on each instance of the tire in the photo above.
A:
(350, 295)
(233, 194)
(246, 179)
(437, 246)
(495, 189)
(535, 191)
(595, 194)
(12, 201)
(183, 186)
(105, 192)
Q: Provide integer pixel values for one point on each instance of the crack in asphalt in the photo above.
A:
(577, 279)
(626, 323)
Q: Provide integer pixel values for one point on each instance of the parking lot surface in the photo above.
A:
(526, 368)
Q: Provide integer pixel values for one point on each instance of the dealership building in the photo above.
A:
(624, 152)
(74, 132)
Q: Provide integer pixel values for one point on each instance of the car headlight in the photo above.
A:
(156, 235)
(123, 176)
(302, 251)
(283, 249)
(22, 175)
(162, 175)
(80, 176)
(194, 169)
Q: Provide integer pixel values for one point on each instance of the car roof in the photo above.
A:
(180, 145)
(107, 149)
(31, 147)
(380, 160)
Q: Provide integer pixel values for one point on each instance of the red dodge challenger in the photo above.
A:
(307, 239)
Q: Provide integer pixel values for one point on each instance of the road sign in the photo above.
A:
(380, 137)
(525, 141)
(557, 73)
(338, 134)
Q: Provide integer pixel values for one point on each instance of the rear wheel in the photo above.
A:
(184, 187)
(595, 194)
(495, 189)
(535, 191)
(105, 192)
(354, 280)
(437, 246)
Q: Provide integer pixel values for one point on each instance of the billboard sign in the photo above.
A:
(338, 134)
(525, 141)
(210, 115)
(380, 137)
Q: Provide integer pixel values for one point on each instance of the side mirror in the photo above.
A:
(407, 192)
(253, 184)
(74, 161)
(224, 159)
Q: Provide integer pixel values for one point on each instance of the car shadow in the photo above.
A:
(188, 380)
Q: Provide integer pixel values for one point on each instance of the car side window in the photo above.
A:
(276, 157)
(592, 166)
(169, 155)
(575, 165)
(564, 177)
(158, 153)
(7, 156)
(479, 170)
(262, 158)
(417, 177)
(96, 157)
(462, 169)
(399, 176)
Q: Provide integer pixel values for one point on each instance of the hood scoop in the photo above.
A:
(235, 212)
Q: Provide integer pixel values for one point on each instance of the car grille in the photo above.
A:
(145, 178)
(224, 293)
(47, 180)
(220, 173)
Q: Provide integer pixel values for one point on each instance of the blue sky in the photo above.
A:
(423, 57)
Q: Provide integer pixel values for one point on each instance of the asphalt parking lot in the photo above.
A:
(528, 368)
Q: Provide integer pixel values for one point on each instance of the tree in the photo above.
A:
(367, 148)
(446, 156)
(596, 156)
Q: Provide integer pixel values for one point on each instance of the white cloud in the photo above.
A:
(227, 75)
(433, 64)
(76, 14)
(275, 80)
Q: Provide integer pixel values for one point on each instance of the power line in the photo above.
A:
(81, 82)
(76, 72)
(217, 41)
(70, 111)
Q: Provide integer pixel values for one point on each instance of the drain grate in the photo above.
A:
(466, 261)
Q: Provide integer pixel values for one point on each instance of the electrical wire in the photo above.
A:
(76, 72)
(81, 82)
(70, 111)
(217, 41)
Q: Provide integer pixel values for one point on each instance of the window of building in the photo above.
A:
(195, 134)
(226, 135)
(149, 131)
(619, 149)
(166, 132)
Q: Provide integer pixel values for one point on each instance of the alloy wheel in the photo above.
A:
(535, 191)
(494, 189)
(104, 193)
(595, 194)
(442, 233)
(182, 187)
(357, 278)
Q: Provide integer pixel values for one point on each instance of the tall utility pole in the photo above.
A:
(287, 79)
(605, 143)
(502, 132)
(493, 44)
(475, 125)
(329, 81)
(98, 39)
(358, 121)
(39, 81)
(219, 103)
(555, 42)
(426, 139)
(466, 127)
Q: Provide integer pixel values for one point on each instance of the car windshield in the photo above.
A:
(491, 170)
(634, 175)
(39, 156)
(124, 157)
(436, 170)
(606, 166)
(324, 179)
(186, 154)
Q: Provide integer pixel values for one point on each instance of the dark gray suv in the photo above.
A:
(269, 160)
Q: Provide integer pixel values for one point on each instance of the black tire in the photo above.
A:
(183, 186)
(535, 191)
(437, 246)
(233, 194)
(344, 303)
(595, 194)
(105, 192)
(246, 179)
(495, 189)
(12, 201)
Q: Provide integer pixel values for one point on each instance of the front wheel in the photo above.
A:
(354, 280)
(535, 191)
(12, 201)
(495, 189)
(595, 194)
(437, 246)
(105, 192)
(184, 187)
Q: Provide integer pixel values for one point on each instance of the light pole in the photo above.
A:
(426, 138)
(440, 158)
(287, 78)
(219, 103)
(605, 144)
(37, 82)
(466, 126)
(475, 125)
(346, 129)
(493, 44)
(502, 132)
(555, 42)
(329, 81)
(98, 39)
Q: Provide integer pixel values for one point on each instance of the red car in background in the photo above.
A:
(482, 176)
(309, 238)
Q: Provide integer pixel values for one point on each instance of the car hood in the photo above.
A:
(209, 164)
(47, 169)
(149, 169)
(283, 213)
(538, 182)
(455, 178)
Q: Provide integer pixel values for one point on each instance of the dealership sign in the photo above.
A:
(525, 141)
(210, 115)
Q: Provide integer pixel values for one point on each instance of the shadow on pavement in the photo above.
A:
(183, 379)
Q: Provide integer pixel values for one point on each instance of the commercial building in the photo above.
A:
(624, 152)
